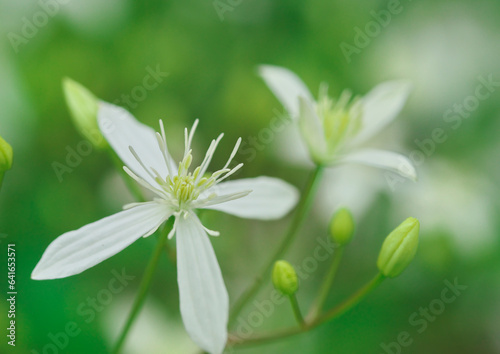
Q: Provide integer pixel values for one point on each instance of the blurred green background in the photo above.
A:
(210, 52)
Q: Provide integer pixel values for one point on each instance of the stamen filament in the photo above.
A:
(145, 184)
(140, 162)
(233, 153)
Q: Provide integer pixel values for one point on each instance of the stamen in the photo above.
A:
(230, 173)
(211, 232)
(191, 133)
(196, 172)
(164, 151)
(233, 153)
(220, 199)
(220, 172)
(162, 128)
(207, 230)
(208, 156)
(140, 161)
(172, 232)
(145, 184)
(343, 100)
(158, 178)
(186, 139)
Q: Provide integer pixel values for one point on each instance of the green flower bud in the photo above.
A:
(83, 107)
(5, 155)
(342, 227)
(284, 278)
(399, 248)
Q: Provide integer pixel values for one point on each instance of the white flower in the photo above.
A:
(453, 200)
(333, 130)
(155, 329)
(204, 301)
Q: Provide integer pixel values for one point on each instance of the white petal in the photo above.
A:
(286, 86)
(380, 106)
(78, 250)
(271, 198)
(352, 186)
(123, 131)
(387, 160)
(204, 300)
(290, 146)
(312, 129)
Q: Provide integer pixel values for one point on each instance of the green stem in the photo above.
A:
(2, 173)
(143, 287)
(327, 284)
(296, 310)
(300, 215)
(352, 301)
(336, 312)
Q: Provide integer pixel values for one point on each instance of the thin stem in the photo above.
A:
(296, 310)
(352, 301)
(336, 312)
(2, 173)
(327, 284)
(300, 215)
(143, 287)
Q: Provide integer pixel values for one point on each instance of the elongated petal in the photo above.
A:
(353, 186)
(271, 198)
(380, 106)
(123, 131)
(291, 147)
(76, 251)
(286, 86)
(312, 130)
(387, 160)
(204, 300)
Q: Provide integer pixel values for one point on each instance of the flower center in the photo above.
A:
(186, 186)
(182, 188)
(341, 119)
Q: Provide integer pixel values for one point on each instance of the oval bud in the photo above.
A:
(284, 278)
(399, 248)
(5, 155)
(83, 107)
(342, 227)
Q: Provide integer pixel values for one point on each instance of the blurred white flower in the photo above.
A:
(442, 59)
(204, 300)
(333, 130)
(97, 18)
(150, 328)
(452, 199)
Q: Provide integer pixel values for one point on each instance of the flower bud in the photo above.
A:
(284, 278)
(399, 248)
(83, 107)
(5, 155)
(342, 227)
